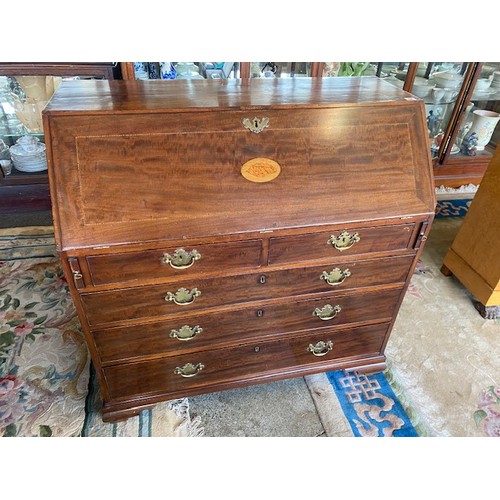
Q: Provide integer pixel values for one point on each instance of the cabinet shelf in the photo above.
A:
(29, 191)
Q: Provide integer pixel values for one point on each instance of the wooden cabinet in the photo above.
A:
(222, 233)
(474, 254)
(23, 191)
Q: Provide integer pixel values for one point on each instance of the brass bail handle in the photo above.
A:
(327, 312)
(321, 348)
(344, 240)
(189, 370)
(183, 296)
(181, 259)
(186, 332)
(335, 276)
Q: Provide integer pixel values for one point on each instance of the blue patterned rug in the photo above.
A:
(452, 208)
(370, 405)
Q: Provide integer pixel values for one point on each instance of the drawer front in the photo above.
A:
(196, 332)
(348, 241)
(196, 294)
(242, 362)
(174, 262)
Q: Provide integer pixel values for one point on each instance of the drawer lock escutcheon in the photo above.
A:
(327, 312)
(189, 370)
(344, 240)
(256, 125)
(181, 258)
(335, 276)
(183, 296)
(186, 332)
(321, 348)
(77, 275)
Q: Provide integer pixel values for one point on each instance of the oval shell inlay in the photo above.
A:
(260, 170)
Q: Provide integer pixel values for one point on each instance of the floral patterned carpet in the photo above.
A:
(45, 383)
(443, 356)
(44, 364)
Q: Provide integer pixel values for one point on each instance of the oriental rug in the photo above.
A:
(46, 387)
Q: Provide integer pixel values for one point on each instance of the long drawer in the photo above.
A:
(197, 332)
(174, 262)
(348, 241)
(111, 306)
(189, 371)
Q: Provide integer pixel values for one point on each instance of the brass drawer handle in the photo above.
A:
(335, 276)
(321, 348)
(186, 332)
(183, 297)
(181, 259)
(256, 126)
(344, 240)
(327, 312)
(189, 370)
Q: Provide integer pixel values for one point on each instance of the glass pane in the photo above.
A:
(280, 69)
(438, 84)
(185, 70)
(482, 114)
(332, 69)
(22, 100)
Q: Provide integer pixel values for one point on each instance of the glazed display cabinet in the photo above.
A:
(25, 89)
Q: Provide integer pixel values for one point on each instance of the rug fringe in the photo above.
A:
(191, 427)
(414, 417)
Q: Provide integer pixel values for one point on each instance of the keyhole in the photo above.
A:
(262, 279)
(260, 313)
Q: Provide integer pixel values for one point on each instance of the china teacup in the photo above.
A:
(449, 95)
(437, 94)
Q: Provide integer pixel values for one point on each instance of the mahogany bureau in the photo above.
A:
(216, 234)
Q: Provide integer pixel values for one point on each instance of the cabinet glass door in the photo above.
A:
(22, 148)
(439, 85)
(479, 132)
(185, 70)
(280, 69)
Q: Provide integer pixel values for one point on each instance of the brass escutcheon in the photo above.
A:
(189, 370)
(256, 125)
(344, 241)
(335, 276)
(77, 275)
(183, 296)
(186, 332)
(327, 312)
(181, 259)
(321, 348)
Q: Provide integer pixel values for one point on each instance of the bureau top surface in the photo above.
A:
(94, 96)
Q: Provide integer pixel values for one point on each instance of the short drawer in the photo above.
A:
(202, 369)
(196, 332)
(348, 241)
(197, 294)
(174, 262)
